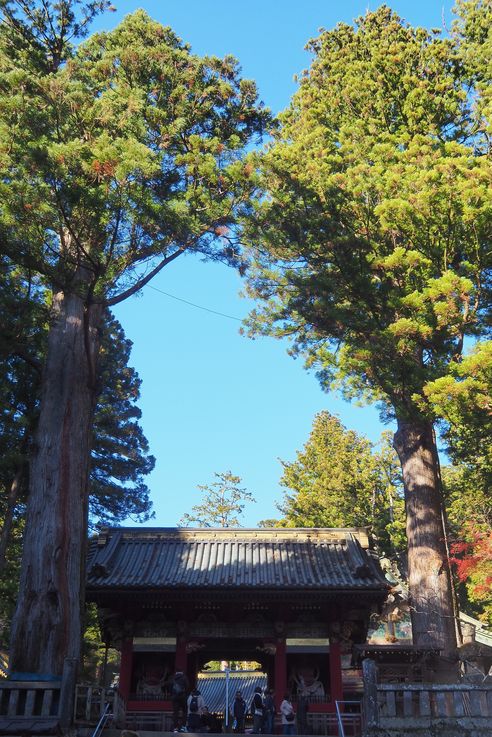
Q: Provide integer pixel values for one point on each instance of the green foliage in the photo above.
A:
(9, 579)
(473, 31)
(462, 399)
(128, 152)
(338, 480)
(371, 250)
(98, 664)
(117, 156)
(270, 522)
(120, 458)
(223, 503)
(44, 33)
(467, 499)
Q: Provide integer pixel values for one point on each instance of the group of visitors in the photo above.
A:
(262, 709)
(190, 714)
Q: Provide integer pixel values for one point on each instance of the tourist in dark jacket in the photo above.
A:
(239, 713)
(179, 693)
(268, 712)
(257, 711)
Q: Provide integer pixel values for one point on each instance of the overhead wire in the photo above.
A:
(193, 304)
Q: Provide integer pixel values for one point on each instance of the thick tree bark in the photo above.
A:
(47, 623)
(431, 596)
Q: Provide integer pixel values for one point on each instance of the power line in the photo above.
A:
(192, 304)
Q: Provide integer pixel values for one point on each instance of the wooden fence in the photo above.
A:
(435, 701)
(90, 704)
(37, 706)
(392, 705)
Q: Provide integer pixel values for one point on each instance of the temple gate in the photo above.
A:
(293, 600)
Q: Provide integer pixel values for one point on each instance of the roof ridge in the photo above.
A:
(308, 534)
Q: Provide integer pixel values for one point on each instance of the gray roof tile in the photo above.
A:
(184, 558)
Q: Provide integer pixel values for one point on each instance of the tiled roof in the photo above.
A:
(213, 686)
(184, 558)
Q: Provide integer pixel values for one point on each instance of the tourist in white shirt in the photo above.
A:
(288, 716)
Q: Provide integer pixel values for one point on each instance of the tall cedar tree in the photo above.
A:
(119, 450)
(372, 249)
(116, 158)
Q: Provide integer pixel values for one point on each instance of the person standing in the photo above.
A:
(268, 712)
(288, 716)
(239, 713)
(196, 705)
(257, 711)
(179, 692)
(302, 709)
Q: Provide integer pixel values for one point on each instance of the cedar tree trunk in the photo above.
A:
(46, 626)
(431, 596)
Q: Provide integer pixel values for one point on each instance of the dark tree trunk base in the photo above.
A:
(431, 596)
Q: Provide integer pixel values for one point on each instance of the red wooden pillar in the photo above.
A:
(126, 667)
(180, 662)
(280, 672)
(336, 687)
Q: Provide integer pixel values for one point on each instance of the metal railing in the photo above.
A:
(105, 718)
(350, 719)
(90, 704)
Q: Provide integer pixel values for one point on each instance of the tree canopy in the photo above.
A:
(120, 458)
(121, 151)
(373, 252)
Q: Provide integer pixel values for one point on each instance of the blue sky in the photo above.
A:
(212, 400)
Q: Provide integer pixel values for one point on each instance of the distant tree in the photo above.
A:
(117, 156)
(223, 503)
(371, 249)
(338, 480)
(271, 522)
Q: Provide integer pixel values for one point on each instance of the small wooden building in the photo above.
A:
(293, 600)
